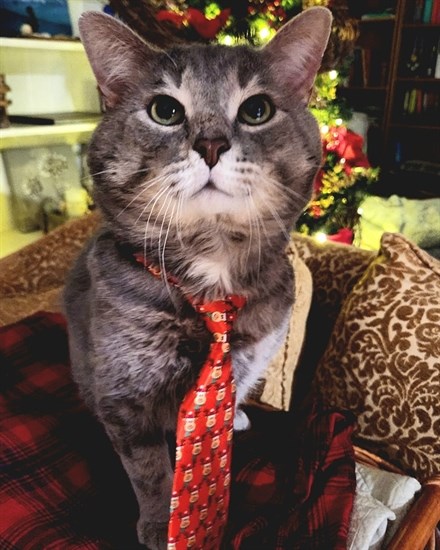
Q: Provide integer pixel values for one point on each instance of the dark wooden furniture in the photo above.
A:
(393, 79)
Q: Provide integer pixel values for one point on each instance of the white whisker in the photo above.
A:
(159, 212)
(249, 204)
(285, 189)
(259, 218)
(154, 198)
(146, 186)
(276, 217)
(250, 229)
(110, 170)
(161, 253)
(179, 220)
(97, 174)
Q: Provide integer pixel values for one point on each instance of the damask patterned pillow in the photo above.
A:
(335, 269)
(383, 357)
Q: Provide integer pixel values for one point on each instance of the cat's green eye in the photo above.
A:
(166, 110)
(257, 109)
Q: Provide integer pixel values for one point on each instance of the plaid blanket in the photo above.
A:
(62, 486)
(294, 481)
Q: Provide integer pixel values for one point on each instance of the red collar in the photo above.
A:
(239, 301)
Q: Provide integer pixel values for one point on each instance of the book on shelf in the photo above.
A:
(430, 59)
(383, 16)
(366, 66)
(435, 17)
(421, 104)
(418, 11)
(50, 119)
(433, 68)
(437, 63)
(426, 11)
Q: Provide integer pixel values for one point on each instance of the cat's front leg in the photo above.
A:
(144, 453)
(249, 365)
(241, 420)
(152, 485)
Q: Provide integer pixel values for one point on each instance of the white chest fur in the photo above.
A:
(213, 271)
(262, 353)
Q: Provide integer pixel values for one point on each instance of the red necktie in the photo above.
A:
(200, 495)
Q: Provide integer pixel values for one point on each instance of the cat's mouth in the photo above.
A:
(210, 186)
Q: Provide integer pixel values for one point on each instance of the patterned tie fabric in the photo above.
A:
(200, 497)
(202, 475)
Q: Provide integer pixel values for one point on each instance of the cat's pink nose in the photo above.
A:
(211, 149)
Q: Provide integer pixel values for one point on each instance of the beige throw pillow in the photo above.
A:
(277, 388)
(383, 357)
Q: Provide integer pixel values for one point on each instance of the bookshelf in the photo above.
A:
(413, 117)
(395, 79)
(368, 84)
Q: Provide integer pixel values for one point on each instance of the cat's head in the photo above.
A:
(199, 135)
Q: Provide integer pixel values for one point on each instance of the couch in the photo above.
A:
(371, 344)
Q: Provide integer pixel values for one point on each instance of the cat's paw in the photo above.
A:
(241, 421)
(154, 535)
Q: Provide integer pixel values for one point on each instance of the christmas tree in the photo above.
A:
(345, 176)
(343, 181)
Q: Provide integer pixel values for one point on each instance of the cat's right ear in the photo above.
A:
(115, 52)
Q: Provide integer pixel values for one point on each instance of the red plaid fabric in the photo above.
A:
(294, 481)
(62, 486)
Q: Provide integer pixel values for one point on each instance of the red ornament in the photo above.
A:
(172, 17)
(344, 236)
(316, 211)
(207, 28)
(347, 145)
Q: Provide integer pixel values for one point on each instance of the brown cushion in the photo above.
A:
(31, 279)
(383, 357)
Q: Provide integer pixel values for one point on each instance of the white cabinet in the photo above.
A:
(45, 76)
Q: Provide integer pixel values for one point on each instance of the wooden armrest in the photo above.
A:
(418, 525)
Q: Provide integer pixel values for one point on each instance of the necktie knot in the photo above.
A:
(219, 315)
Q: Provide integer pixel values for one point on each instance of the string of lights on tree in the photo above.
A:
(226, 21)
(346, 175)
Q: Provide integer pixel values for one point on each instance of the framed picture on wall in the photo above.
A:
(40, 179)
(41, 17)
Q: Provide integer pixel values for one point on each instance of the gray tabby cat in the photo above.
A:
(203, 161)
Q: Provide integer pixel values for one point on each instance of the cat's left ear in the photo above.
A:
(295, 52)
